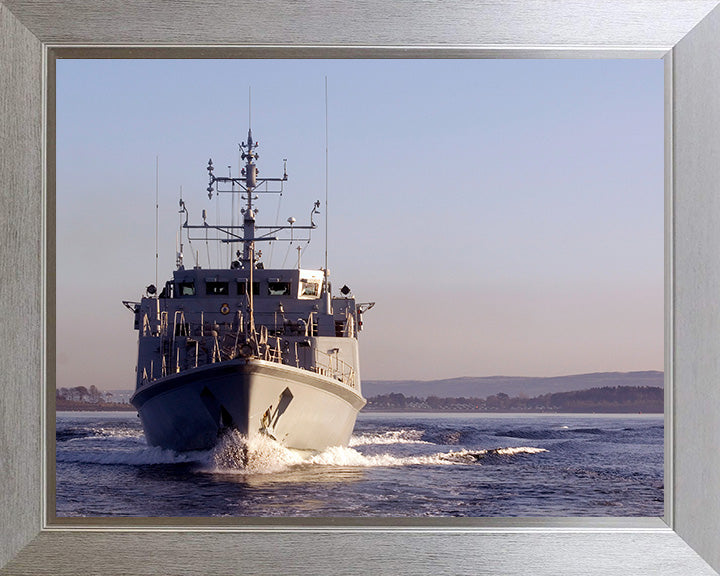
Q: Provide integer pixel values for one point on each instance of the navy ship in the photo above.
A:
(258, 350)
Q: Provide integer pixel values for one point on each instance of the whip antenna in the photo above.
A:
(157, 210)
(326, 183)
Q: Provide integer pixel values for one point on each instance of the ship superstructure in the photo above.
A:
(263, 351)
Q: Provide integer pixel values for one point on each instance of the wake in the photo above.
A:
(235, 454)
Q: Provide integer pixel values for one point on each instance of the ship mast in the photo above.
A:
(248, 258)
(250, 174)
(248, 183)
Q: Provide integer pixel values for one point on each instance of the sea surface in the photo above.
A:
(414, 465)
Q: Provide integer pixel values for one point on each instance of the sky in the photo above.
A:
(506, 216)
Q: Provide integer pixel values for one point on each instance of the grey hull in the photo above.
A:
(300, 409)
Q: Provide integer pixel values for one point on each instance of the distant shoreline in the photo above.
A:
(130, 408)
(73, 406)
(88, 407)
(605, 400)
(467, 411)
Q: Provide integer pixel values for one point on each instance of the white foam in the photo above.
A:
(259, 455)
(476, 455)
(234, 454)
(389, 437)
(518, 450)
(263, 455)
(342, 456)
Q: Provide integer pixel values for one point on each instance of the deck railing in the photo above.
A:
(331, 365)
(208, 343)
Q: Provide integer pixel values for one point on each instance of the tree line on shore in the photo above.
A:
(83, 398)
(607, 399)
(83, 394)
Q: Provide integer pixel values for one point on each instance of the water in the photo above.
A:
(396, 465)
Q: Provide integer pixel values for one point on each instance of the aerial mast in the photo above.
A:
(250, 174)
(326, 287)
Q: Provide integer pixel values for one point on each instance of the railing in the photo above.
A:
(184, 346)
(331, 365)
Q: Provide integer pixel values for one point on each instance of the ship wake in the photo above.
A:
(235, 454)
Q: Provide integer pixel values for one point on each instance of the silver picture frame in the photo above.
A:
(685, 33)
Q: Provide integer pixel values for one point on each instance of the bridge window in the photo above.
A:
(278, 288)
(186, 288)
(310, 288)
(216, 288)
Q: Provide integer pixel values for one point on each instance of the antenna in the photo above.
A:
(250, 107)
(157, 211)
(326, 183)
(178, 236)
(218, 250)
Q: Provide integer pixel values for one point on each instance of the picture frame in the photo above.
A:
(684, 33)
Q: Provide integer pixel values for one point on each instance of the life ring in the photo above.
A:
(225, 308)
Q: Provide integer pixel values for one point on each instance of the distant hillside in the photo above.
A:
(481, 387)
(610, 400)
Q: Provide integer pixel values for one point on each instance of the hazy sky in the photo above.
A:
(505, 215)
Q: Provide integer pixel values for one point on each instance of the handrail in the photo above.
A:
(199, 342)
(342, 370)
